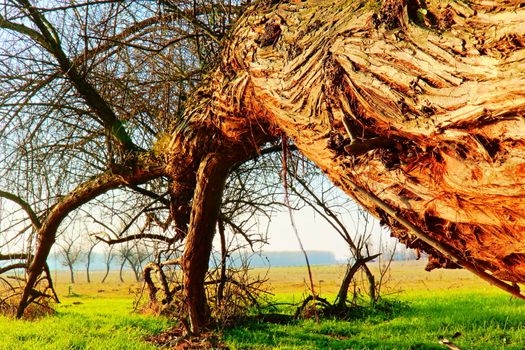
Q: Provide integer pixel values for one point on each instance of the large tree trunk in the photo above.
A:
(211, 178)
(415, 109)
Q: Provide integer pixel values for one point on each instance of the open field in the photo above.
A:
(404, 276)
(440, 304)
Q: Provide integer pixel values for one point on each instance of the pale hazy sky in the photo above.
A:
(316, 234)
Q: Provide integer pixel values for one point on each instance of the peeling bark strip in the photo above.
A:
(420, 104)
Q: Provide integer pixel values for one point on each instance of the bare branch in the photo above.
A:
(25, 206)
(192, 19)
(14, 256)
(137, 237)
(12, 267)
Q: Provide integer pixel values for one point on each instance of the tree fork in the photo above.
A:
(340, 300)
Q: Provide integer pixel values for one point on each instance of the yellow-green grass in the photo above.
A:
(485, 318)
(441, 303)
(94, 324)
(483, 323)
(401, 277)
(89, 316)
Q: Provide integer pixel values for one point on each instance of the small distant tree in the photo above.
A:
(122, 252)
(135, 256)
(91, 243)
(70, 251)
(108, 258)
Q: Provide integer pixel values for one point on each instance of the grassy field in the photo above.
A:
(426, 307)
(90, 316)
(441, 304)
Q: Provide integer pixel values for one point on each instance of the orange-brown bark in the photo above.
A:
(419, 103)
(199, 157)
(211, 177)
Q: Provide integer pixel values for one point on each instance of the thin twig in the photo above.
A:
(292, 221)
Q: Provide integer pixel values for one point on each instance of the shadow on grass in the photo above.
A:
(334, 331)
(478, 321)
(308, 335)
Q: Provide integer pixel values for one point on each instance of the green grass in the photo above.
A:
(96, 323)
(486, 320)
(440, 304)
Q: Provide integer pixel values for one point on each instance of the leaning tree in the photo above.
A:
(414, 108)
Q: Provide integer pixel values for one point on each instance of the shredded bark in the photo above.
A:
(432, 91)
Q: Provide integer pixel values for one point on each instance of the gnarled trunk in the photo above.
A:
(411, 106)
(211, 178)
